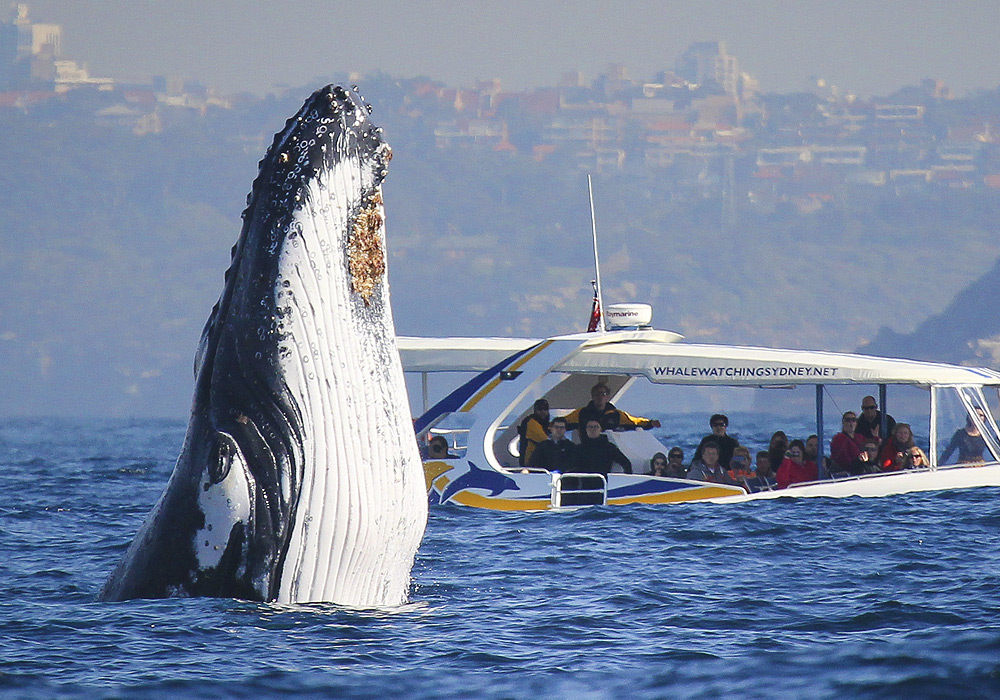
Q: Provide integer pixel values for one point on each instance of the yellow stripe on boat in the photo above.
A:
(432, 470)
(679, 495)
(468, 498)
(493, 383)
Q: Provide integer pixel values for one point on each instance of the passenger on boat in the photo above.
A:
(709, 469)
(763, 463)
(867, 461)
(676, 469)
(795, 469)
(532, 431)
(437, 448)
(893, 451)
(968, 441)
(726, 443)
(870, 420)
(812, 453)
(740, 466)
(916, 459)
(606, 414)
(762, 478)
(777, 448)
(596, 454)
(556, 453)
(848, 443)
(658, 465)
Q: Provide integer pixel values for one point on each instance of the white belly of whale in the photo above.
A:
(365, 511)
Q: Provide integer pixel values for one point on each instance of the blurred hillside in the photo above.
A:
(113, 244)
(966, 332)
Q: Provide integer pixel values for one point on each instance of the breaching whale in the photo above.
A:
(299, 479)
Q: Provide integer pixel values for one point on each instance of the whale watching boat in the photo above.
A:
(480, 417)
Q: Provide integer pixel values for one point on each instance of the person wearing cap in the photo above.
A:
(605, 413)
(532, 431)
(726, 444)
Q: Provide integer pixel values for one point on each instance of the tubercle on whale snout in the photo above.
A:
(332, 124)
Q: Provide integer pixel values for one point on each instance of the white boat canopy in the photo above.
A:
(457, 354)
(662, 360)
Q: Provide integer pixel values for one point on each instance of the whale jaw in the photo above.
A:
(300, 479)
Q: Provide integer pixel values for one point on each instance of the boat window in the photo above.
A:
(966, 427)
(984, 420)
(455, 429)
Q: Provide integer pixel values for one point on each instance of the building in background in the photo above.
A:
(31, 57)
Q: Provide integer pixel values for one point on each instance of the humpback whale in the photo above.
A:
(299, 479)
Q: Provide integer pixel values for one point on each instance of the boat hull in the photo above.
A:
(459, 482)
(889, 484)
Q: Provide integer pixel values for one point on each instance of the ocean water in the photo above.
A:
(853, 598)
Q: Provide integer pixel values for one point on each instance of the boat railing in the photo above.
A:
(572, 490)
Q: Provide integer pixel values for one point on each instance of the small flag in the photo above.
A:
(595, 311)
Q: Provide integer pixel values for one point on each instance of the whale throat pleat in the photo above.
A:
(355, 494)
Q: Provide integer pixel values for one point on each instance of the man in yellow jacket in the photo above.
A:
(606, 414)
(532, 431)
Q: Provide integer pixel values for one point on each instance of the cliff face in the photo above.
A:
(967, 332)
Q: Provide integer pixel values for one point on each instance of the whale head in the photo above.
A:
(299, 479)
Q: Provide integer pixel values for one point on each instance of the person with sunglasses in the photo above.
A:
(867, 461)
(658, 465)
(916, 459)
(848, 443)
(726, 443)
(605, 413)
(870, 420)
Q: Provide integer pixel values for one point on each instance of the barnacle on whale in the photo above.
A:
(366, 253)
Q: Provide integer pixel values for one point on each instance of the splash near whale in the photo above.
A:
(299, 479)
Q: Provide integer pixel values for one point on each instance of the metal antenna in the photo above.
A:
(597, 264)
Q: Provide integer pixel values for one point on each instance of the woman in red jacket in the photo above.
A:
(795, 468)
(894, 450)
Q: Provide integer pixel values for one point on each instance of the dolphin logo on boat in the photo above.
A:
(476, 478)
(299, 479)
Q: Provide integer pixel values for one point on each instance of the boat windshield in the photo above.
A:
(966, 426)
(454, 427)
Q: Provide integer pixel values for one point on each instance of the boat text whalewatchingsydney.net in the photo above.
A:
(745, 371)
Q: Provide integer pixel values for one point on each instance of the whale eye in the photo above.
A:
(221, 456)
